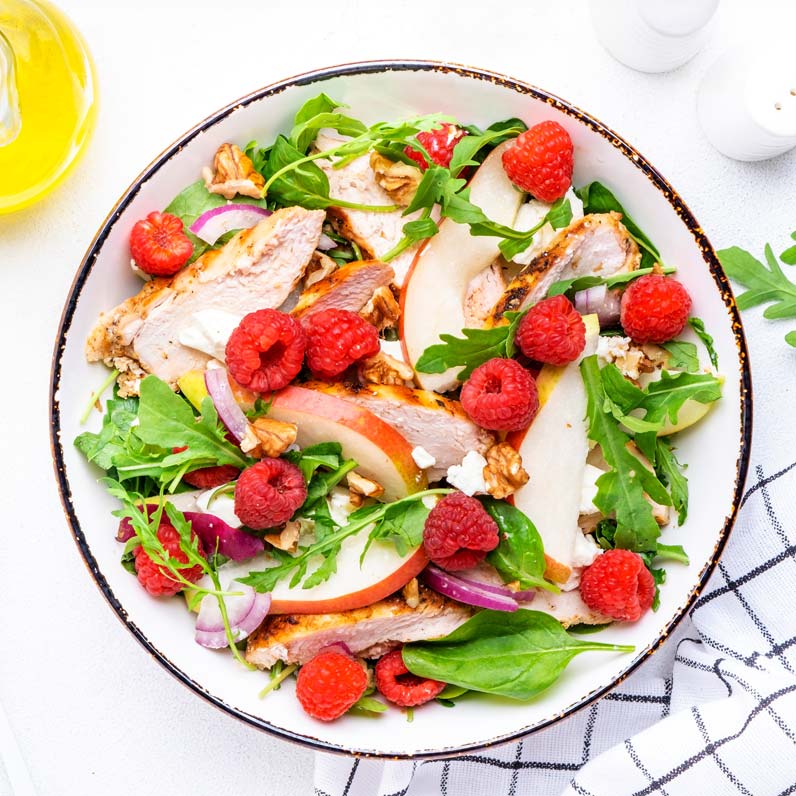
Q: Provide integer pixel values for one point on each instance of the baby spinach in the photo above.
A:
(516, 655)
(519, 557)
(597, 198)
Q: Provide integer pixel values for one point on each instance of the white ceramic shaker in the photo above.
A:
(747, 102)
(652, 35)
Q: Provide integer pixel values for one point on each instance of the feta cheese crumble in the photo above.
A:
(208, 331)
(622, 352)
(589, 489)
(423, 459)
(469, 475)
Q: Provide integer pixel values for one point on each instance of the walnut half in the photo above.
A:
(233, 173)
(382, 311)
(384, 369)
(504, 473)
(274, 436)
(399, 180)
(360, 488)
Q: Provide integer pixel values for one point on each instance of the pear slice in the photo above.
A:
(432, 302)
(554, 450)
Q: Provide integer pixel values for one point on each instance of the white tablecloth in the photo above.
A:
(91, 712)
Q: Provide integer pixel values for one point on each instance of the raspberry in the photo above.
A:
(211, 477)
(268, 493)
(618, 585)
(266, 350)
(654, 309)
(330, 684)
(396, 683)
(439, 144)
(500, 395)
(458, 532)
(159, 244)
(540, 161)
(552, 331)
(157, 580)
(336, 339)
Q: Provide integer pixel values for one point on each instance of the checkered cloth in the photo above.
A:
(712, 712)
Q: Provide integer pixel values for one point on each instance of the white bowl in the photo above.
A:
(716, 450)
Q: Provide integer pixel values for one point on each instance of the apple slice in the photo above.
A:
(432, 302)
(381, 452)
(554, 450)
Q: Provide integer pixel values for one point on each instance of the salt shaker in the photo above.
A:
(651, 35)
(747, 102)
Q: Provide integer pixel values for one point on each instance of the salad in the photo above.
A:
(395, 409)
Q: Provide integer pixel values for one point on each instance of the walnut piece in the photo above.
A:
(320, 266)
(233, 173)
(274, 436)
(504, 473)
(411, 593)
(287, 538)
(399, 180)
(360, 488)
(382, 311)
(384, 369)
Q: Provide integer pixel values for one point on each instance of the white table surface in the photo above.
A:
(92, 713)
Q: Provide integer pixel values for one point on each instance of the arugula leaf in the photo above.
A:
(789, 255)
(597, 198)
(669, 471)
(622, 489)
(516, 655)
(578, 283)
(698, 325)
(326, 549)
(765, 285)
(260, 409)
(367, 706)
(520, 554)
(400, 524)
(682, 355)
(120, 413)
(472, 148)
(476, 347)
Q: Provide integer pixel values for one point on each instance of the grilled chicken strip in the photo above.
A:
(483, 292)
(255, 270)
(349, 287)
(368, 632)
(375, 233)
(426, 419)
(568, 607)
(595, 245)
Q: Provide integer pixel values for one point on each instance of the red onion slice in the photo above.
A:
(212, 224)
(505, 591)
(600, 301)
(325, 243)
(465, 592)
(245, 613)
(232, 416)
(232, 542)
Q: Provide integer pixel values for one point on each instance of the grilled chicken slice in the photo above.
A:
(425, 418)
(568, 607)
(595, 245)
(483, 292)
(368, 632)
(375, 233)
(255, 270)
(349, 287)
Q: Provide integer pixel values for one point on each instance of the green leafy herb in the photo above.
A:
(367, 706)
(468, 352)
(260, 409)
(765, 285)
(323, 468)
(789, 255)
(519, 557)
(587, 630)
(577, 283)
(473, 148)
(698, 325)
(622, 489)
(516, 655)
(120, 414)
(279, 673)
(402, 525)
(682, 355)
(597, 198)
(670, 473)
(323, 552)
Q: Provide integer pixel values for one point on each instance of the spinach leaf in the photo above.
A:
(682, 355)
(367, 706)
(597, 198)
(698, 325)
(520, 554)
(516, 655)
(476, 347)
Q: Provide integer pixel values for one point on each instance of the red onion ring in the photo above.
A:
(212, 224)
(600, 301)
(245, 613)
(465, 592)
(217, 383)
(505, 591)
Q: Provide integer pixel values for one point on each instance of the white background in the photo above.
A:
(93, 714)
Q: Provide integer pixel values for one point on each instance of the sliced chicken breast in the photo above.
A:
(426, 419)
(368, 632)
(568, 607)
(350, 287)
(483, 292)
(595, 245)
(255, 270)
(375, 233)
